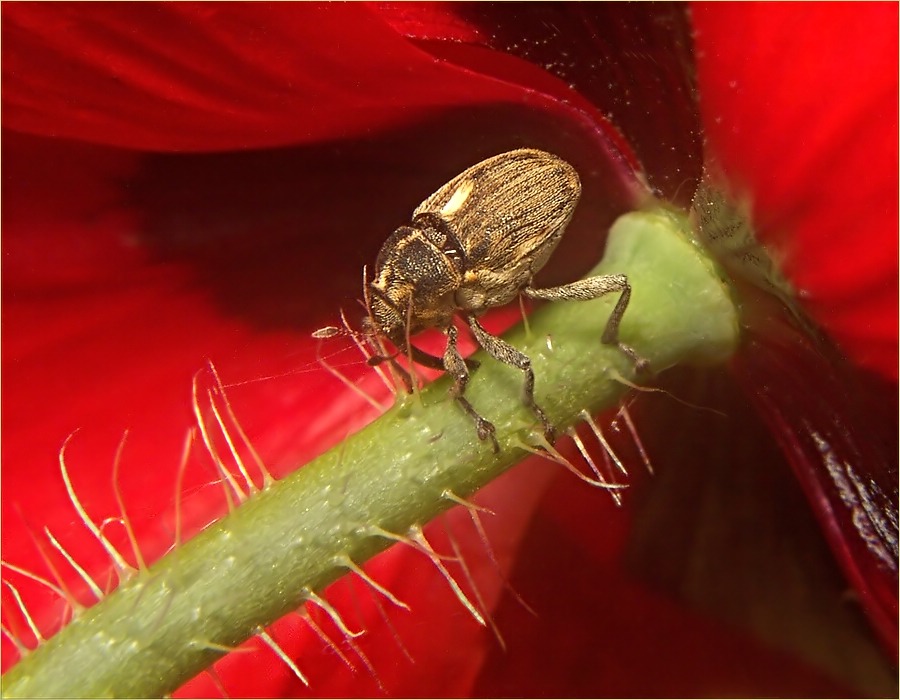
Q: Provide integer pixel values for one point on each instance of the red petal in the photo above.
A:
(841, 442)
(713, 578)
(631, 62)
(208, 77)
(799, 105)
(601, 632)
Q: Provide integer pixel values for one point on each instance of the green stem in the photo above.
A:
(166, 624)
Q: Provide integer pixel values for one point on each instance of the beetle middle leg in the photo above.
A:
(455, 366)
(592, 288)
(504, 352)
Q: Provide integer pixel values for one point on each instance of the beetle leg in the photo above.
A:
(421, 357)
(428, 360)
(592, 288)
(504, 352)
(455, 366)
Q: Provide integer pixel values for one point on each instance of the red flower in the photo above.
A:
(312, 131)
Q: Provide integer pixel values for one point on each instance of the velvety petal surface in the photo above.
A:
(841, 440)
(646, 91)
(800, 110)
(206, 76)
(712, 570)
(799, 107)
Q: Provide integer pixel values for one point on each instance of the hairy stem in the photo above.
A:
(169, 622)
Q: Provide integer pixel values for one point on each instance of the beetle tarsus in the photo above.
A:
(549, 430)
(502, 351)
(486, 430)
(641, 364)
(457, 367)
(484, 427)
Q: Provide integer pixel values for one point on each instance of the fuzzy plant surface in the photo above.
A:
(281, 547)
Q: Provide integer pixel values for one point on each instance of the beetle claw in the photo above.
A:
(641, 364)
(549, 433)
(549, 430)
(486, 430)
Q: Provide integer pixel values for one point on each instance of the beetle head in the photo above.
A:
(414, 283)
(384, 297)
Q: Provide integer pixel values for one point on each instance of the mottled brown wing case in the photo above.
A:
(511, 207)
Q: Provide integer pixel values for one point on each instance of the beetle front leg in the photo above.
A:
(592, 288)
(455, 366)
(419, 356)
(504, 352)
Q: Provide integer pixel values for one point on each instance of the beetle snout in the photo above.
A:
(384, 319)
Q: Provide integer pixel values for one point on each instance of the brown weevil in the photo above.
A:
(474, 244)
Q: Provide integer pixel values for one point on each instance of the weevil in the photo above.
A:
(475, 244)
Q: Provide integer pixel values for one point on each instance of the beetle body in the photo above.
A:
(474, 244)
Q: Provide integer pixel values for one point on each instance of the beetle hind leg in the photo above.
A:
(504, 352)
(456, 367)
(592, 288)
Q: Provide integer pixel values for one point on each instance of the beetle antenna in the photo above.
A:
(374, 337)
(368, 330)
(414, 378)
(328, 332)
